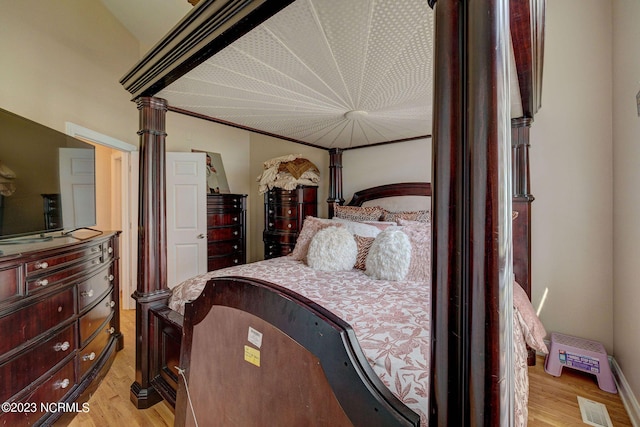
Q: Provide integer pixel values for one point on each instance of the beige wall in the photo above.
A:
(385, 164)
(626, 179)
(572, 173)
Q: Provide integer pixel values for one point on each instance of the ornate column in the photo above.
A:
(471, 308)
(335, 180)
(152, 242)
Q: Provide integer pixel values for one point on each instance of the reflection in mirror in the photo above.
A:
(47, 179)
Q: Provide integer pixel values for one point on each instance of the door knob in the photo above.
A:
(201, 236)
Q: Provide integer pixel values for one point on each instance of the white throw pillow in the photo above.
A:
(332, 249)
(389, 256)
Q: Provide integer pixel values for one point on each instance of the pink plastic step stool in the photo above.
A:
(581, 354)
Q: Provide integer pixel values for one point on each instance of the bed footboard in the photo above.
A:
(253, 351)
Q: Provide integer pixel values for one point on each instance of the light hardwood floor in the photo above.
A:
(552, 401)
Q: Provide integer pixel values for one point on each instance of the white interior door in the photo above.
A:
(186, 216)
(77, 187)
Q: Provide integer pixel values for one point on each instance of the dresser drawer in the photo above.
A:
(59, 260)
(283, 224)
(90, 354)
(224, 233)
(67, 275)
(29, 366)
(52, 390)
(226, 247)
(222, 219)
(225, 202)
(290, 211)
(10, 282)
(29, 322)
(93, 288)
(94, 318)
(216, 263)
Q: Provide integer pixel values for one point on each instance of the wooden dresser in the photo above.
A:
(226, 230)
(284, 212)
(59, 323)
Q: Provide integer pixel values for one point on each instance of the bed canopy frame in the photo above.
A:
(477, 178)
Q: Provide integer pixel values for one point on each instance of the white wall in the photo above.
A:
(626, 179)
(572, 173)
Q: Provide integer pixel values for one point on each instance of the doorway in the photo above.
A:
(116, 199)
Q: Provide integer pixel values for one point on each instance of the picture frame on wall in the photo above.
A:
(216, 177)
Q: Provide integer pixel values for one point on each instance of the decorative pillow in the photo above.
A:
(367, 229)
(389, 256)
(364, 244)
(532, 327)
(421, 216)
(420, 237)
(359, 213)
(332, 249)
(310, 227)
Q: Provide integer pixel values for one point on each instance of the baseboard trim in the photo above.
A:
(628, 398)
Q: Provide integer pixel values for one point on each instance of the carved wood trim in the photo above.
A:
(205, 30)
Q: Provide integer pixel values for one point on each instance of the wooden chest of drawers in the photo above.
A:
(59, 323)
(226, 230)
(284, 213)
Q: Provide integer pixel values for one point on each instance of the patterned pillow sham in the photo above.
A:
(310, 227)
(363, 244)
(421, 216)
(420, 237)
(359, 213)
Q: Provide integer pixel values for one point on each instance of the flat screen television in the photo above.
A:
(47, 180)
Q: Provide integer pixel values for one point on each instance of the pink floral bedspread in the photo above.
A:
(390, 319)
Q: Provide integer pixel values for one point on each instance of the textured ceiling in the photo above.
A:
(329, 73)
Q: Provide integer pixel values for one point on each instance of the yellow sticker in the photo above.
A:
(252, 355)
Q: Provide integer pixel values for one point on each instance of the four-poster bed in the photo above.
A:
(472, 216)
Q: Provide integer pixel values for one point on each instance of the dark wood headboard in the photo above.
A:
(390, 190)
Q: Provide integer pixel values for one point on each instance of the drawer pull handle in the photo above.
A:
(59, 309)
(235, 219)
(288, 225)
(235, 246)
(87, 294)
(89, 356)
(109, 278)
(270, 224)
(41, 265)
(270, 211)
(111, 330)
(111, 304)
(62, 346)
(42, 282)
(235, 233)
(110, 250)
(235, 261)
(289, 212)
(62, 384)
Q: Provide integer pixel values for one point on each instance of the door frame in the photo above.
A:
(128, 195)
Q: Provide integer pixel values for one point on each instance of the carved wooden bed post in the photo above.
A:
(522, 200)
(152, 249)
(335, 180)
(471, 306)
